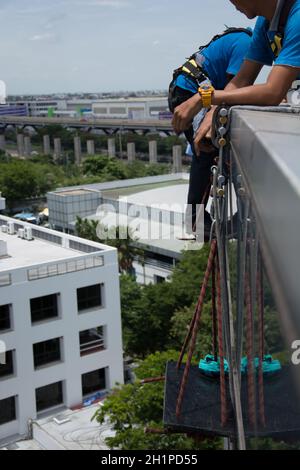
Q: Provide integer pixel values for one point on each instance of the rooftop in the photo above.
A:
(141, 188)
(128, 99)
(67, 430)
(47, 246)
(171, 195)
(22, 253)
(75, 192)
(114, 189)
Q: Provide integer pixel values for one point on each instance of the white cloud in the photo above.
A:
(43, 37)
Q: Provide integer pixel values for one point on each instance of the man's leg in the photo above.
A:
(200, 177)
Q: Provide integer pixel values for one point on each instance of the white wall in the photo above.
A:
(146, 274)
(26, 379)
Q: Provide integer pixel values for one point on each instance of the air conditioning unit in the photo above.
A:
(28, 233)
(4, 228)
(21, 233)
(11, 228)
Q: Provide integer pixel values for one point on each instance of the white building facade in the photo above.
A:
(161, 256)
(117, 108)
(60, 322)
(130, 108)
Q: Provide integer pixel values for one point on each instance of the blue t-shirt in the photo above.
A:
(260, 49)
(221, 58)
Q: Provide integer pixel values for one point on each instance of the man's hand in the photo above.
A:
(185, 113)
(204, 132)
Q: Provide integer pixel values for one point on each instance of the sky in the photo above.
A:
(56, 46)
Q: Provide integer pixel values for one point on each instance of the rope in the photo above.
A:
(241, 260)
(249, 349)
(153, 380)
(261, 346)
(189, 334)
(220, 197)
(195, 328)
(221, 353)
(214, 312)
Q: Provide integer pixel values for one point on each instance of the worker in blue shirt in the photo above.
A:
(214, 64)
(276, 41)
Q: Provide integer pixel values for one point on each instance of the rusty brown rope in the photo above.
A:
(153, 380)
(221, 352)
(260, 304)
(214, 312)
(249, 351)
(196, 323)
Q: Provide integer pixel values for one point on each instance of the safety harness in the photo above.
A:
(277, 42)
(192, 70)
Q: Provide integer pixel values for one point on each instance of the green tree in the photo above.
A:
(146, 319)
(132, 408)
(95, 165)
(24, 180)
(180, 323)
(131, 296)
(56, 131)
(87, 229)
(127, 252)
(4, 157)
(148, 323)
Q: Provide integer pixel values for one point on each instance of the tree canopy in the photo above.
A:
(133, 407)
(33, 177)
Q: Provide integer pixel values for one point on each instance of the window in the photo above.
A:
(43, 308)
(100, 110)
(7, 368)
(158, 260)
(93, 381)
(118, 111)
(5, 280)
(91, 341)
(89, 297)
(154, 110)
(5, 321)
(46, 352)
(7, 410)
(159, 279)
(49, 396)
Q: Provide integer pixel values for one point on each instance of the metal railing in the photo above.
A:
(92, 346)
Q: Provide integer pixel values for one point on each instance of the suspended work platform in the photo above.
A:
(201, 407)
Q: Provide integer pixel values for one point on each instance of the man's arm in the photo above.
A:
(246, 76)
(270, 93)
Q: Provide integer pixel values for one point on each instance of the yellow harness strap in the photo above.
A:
(193, 63)
(276, 45)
